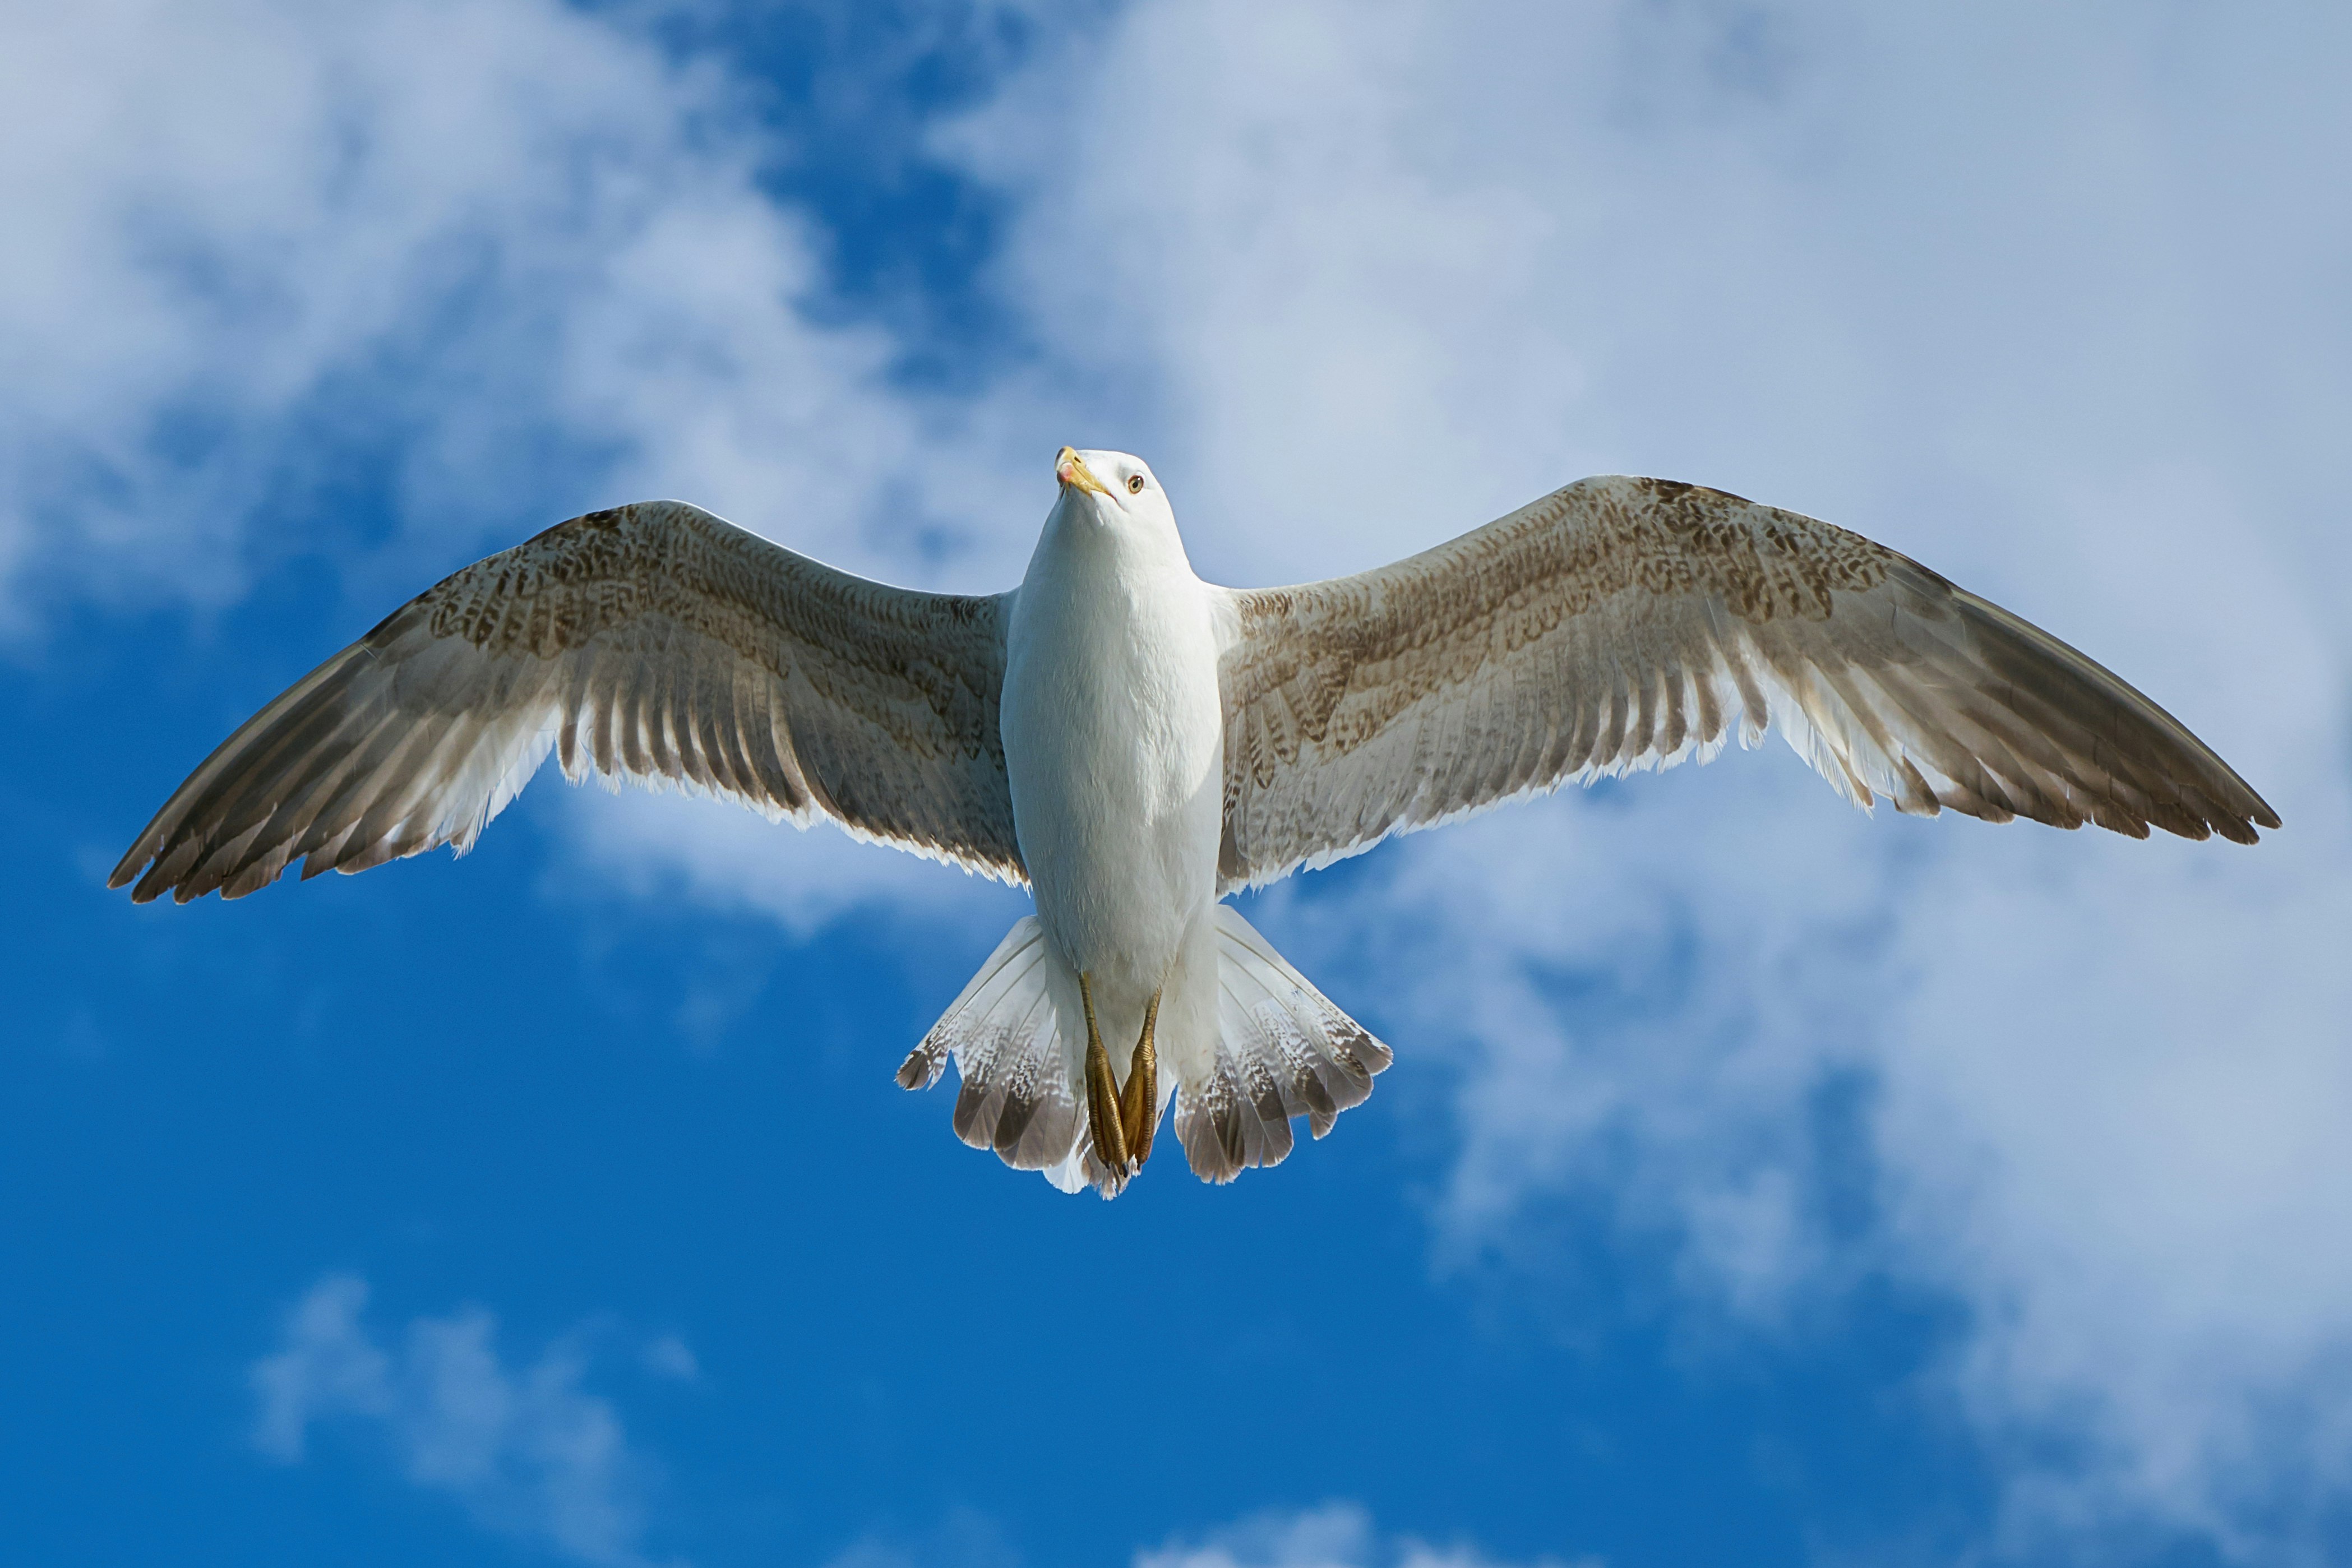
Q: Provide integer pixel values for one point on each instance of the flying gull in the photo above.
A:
(1134, 745)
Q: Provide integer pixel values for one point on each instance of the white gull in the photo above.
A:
(1135, 745)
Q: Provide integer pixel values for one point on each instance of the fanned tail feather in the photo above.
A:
(1018, 1095)
(1017, 1036)
(1283, 1050)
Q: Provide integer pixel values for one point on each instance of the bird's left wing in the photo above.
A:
(1622, 623)
(653, 642)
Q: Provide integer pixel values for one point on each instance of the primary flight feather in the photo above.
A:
(1134, 744)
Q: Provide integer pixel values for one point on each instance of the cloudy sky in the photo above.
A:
(1757, 1181)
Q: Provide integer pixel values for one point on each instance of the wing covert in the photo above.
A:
(654, 642)
(1623, 623)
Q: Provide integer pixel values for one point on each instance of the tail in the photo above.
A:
(1021, 1077)
(1282, 1050)
(1246, 1044)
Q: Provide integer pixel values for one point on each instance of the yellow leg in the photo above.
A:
(1102, 1095)
(1139, 1111)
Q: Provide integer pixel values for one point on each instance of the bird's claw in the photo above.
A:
(1140, 1109)
(1103, 1110)
(1121, 1125)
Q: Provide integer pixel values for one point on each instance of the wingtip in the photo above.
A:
(134, 860)
(2239, 821)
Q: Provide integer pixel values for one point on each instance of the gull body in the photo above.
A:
(1114, 749)
(1134, 745)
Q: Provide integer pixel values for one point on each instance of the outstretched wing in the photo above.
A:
(1625, 623)
(654, 642)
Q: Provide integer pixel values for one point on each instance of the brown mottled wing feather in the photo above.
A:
(1625, 623)
(654, 642)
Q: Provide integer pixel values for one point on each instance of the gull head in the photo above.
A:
(1113, 490)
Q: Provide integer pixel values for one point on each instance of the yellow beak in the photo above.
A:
(1072, 471)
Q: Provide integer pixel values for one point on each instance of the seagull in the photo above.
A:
(1134, 745)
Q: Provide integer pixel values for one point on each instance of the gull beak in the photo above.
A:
(1072, 471)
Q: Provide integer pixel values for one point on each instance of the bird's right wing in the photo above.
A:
(1622, 623)
(653, 642)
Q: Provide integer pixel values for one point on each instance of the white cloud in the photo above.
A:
(1337, 1535)
(222, 214)
(2045, 301)
(519, 236)
(668, 1355)
(524, 1448)
(650, 845)
(963, 1539)
(2051, 300)
(512, 255)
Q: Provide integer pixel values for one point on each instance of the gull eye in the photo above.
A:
(1135, 484)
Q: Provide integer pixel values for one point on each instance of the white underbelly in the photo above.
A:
(1113, 748)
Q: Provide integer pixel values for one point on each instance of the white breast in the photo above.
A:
(1113, 739)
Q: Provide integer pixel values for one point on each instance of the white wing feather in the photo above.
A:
(1621, 624)
(655, 642)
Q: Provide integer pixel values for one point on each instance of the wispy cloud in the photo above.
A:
(524, 1448)
(668, 1355)
(402, 281)
(1336, 1535)
(233, 224)
(1988, 287)
(964, 1539)
(2042, 299)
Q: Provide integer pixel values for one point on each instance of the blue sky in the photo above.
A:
(1756, 1181)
